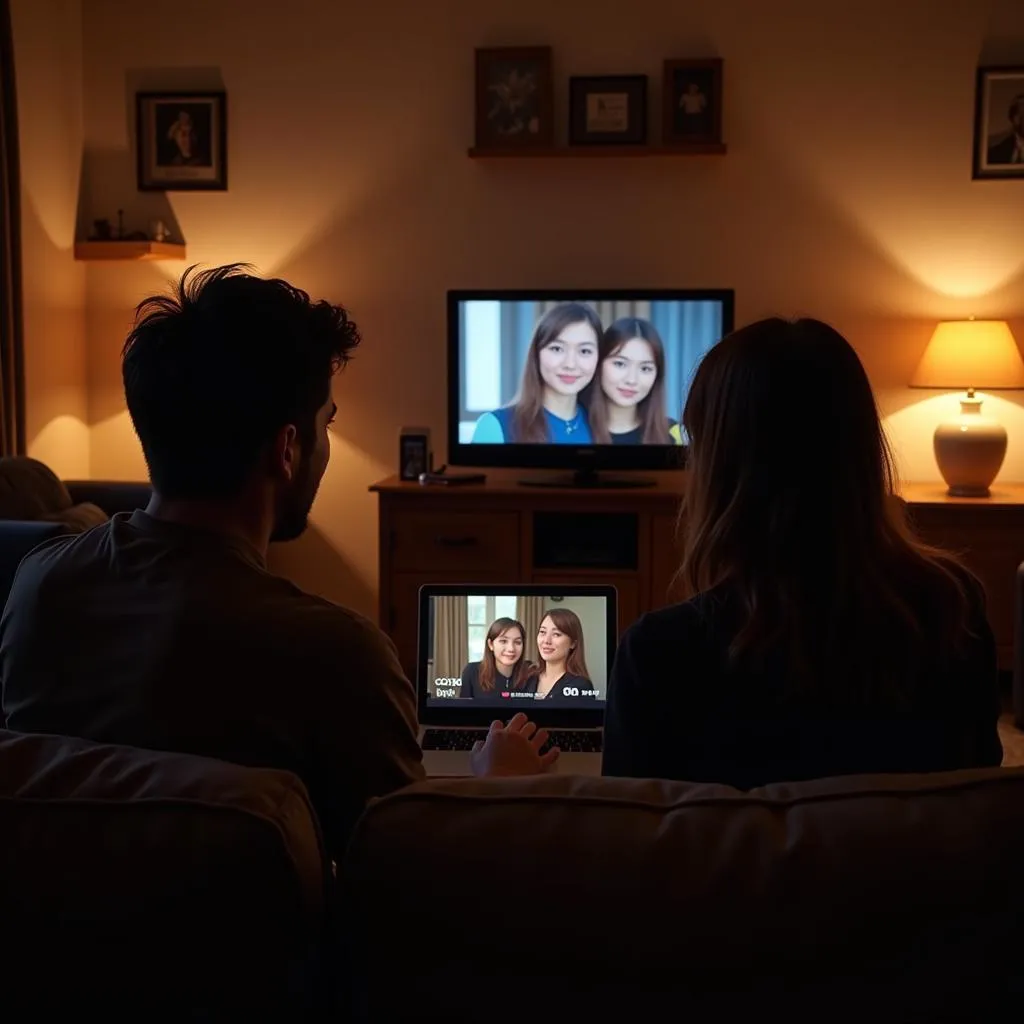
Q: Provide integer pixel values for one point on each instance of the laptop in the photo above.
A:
(486, 652)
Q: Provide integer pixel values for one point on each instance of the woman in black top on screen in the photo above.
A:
(562, 677)
(824, 638)
(501, 675)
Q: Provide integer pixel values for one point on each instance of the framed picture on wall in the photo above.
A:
(692, 103)
(181, 141)
(999, 123)
(608, 110)
(514, 98)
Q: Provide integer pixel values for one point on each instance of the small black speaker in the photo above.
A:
(414, 453)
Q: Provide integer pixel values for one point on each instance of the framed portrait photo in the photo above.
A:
(514, 98)
(181, 141)
(608, 110)
(999, 123)
(692, 103)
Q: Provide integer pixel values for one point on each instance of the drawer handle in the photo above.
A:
(456, 542)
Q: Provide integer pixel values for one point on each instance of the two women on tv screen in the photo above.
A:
(584, 384)
(505, 675)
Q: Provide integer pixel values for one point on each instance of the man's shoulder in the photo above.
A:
(55, 552)
(324, 624)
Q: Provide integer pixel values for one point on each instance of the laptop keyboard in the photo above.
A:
(575, 741)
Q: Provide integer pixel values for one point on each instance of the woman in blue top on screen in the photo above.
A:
(560, 363)
(562, 676)
(626, 404)
(502, 672)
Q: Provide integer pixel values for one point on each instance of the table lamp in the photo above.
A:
(966, 355)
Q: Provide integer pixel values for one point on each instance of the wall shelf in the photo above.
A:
(625, 151)
(143, 250)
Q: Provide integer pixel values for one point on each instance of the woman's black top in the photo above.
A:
(568, 691)
(501, 696)
(678, 710)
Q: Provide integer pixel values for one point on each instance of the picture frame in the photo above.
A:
(608, 110)
(514, 98)
(998, 151)
(181, 141)
(692, 103)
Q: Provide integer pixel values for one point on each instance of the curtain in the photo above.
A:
(451, 638)
(12, 369)
(529, 611)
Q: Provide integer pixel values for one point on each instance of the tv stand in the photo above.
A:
(590, 479)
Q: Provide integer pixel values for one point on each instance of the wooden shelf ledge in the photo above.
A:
(625, 151)
(144, 250)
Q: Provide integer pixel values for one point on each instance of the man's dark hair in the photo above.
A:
(214, 370)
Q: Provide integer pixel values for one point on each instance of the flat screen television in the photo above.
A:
(577, 380)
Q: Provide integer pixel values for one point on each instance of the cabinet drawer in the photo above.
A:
(452, 541)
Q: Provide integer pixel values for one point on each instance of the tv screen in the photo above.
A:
(552, 378)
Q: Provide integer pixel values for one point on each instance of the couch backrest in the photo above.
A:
(159, 881)
(893, 898)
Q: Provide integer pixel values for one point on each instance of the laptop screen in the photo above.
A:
(530, 648)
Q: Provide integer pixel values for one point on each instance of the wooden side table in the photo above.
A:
(988, 534)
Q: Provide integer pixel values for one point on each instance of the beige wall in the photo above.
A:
(48, 65)
(846, 192)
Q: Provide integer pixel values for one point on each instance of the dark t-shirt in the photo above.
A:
(568, 690)
(678, 710)
(165, 637)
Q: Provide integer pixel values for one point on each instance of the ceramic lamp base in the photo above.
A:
(970, 451)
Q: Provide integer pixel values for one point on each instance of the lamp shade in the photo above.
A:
(967, 354)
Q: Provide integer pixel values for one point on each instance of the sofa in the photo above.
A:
(156, 886)
(36, 505)
(567, 899)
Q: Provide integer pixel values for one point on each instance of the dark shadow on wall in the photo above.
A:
(109, 175)
(107, 185)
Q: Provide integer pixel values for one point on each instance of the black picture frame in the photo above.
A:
(608, 110)
(698, 126)
(181, 141)
(514, 98)
(998, 150)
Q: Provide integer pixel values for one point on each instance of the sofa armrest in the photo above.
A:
(112, 496)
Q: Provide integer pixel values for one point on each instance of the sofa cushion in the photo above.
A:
(154, 879)
(894, 898)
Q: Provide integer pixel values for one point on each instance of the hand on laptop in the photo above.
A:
(513, 749)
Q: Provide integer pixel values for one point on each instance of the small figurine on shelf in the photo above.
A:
(158, 231)
(101, 231)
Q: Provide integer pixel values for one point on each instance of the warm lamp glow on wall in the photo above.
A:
(965, 355)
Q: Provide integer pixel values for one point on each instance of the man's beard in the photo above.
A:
(293, 513)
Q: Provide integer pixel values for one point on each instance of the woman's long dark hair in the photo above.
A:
(528, 423)
(651, 411)
(791, 503)
(489, 668)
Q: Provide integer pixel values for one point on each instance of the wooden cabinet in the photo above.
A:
(502, 532)
(988, 535)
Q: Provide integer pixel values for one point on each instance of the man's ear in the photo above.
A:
(285, 453)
